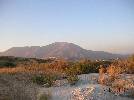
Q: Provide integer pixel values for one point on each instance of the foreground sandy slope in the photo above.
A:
(86, 89)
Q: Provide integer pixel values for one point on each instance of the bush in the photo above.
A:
(72, 79)
(82, 67)
(39, 80)
(44, 79)
(7, 64)
(45, 97)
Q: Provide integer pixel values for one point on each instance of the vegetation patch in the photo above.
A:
(45, 97)
(72, 79)
(46, 80)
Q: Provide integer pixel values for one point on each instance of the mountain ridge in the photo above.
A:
(64, 50)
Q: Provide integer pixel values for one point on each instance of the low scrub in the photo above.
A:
(45, 97)
(72, 79)
(44, 80)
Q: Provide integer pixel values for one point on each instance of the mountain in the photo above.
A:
(64, 50)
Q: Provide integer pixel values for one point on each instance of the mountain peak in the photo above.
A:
(62, 43)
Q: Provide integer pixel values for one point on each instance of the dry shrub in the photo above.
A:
(102, 72)
(57, 67)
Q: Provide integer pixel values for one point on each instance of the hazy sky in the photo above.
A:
(106, 25)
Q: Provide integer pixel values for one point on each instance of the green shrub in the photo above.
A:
(44, 79)
(45, 97)
(38, 80)
(7, 64)
(72, 79)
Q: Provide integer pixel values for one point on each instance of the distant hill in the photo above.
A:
(64, 50)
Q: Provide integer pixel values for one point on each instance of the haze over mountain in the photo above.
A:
(64, 50)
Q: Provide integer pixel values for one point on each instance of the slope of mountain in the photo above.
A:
(60, 50)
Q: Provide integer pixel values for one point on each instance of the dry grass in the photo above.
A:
(17, 87)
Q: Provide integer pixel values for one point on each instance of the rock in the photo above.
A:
(82, 93)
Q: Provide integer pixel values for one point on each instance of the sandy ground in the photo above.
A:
(87, 81)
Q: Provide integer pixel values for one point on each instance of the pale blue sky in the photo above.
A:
(106, 25)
